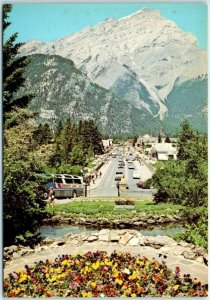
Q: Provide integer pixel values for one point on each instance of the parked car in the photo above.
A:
(136, 175)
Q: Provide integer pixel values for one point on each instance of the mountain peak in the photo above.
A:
(140, 57)
(142, 12)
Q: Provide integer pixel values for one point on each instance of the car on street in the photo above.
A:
(131, 166)
(121, 166)
(119, 175)
(136, 175)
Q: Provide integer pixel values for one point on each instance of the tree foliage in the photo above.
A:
(76, 144)
(23, 210)
(184, 181)
(22, 207)
(13, 68)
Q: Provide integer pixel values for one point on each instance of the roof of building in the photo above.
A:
(164, 147)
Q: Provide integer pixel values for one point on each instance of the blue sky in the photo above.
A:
(47, 22)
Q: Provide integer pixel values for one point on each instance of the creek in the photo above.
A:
(56, 231)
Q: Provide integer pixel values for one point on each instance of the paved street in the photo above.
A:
(106, 186)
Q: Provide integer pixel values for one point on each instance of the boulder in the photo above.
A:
(103, 221)
(134, 241)
(75, 241)
(47, 241)
(183, 244)
(200, 259)
(104, 238)
(125, 238)
(177, 250)
(151, 221)
(189, 255)
(166, 240)
(139, 223)
(136, 219)
(26, 251)
(114, 237)
(104, 231)
(154, 242)
(82, 220)
(16, 255)
(11, 249)
(92, 238)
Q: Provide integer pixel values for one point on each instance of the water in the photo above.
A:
(62, 229)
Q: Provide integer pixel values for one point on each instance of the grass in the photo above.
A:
(104, 208)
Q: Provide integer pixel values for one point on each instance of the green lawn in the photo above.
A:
(104, 208)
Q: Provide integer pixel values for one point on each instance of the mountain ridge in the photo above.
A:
(144, 55)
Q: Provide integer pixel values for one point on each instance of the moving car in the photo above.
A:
(119, 175)
(121, 166)
(136, 175)
(131, 166)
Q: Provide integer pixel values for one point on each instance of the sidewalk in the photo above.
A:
(98, 180)
(144, 170)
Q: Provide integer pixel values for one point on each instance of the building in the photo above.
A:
(163, 151)
(146, 139)
(107, 143)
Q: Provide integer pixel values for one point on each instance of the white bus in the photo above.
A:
(66, 186)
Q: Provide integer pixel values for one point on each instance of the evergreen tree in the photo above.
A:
(167, 140)
(159, 138)
(184, 181)
(23, 208)
(23, 211)
(13, 68)
(187, 137)
(43, 134)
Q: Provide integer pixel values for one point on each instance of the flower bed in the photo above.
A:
(124, 202)
(100, 275)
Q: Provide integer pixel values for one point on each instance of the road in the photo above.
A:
(107, 186)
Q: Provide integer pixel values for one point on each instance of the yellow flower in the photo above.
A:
(133, 295)
(47, 275)
(64, 262)
(23, 278)
(93, 284)
(87, 269)
(51, 270)
(86, 294)
(107, 262)
(58, 270)
(96, 265)
(123, 295)
(53, 278)
(119, 281)
(133, 276)
(176, 287)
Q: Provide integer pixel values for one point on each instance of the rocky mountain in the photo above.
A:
(143, 59)
(61, 91)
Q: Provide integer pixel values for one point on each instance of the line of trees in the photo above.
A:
(74, 146)
(29, 149)
(184, 181)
